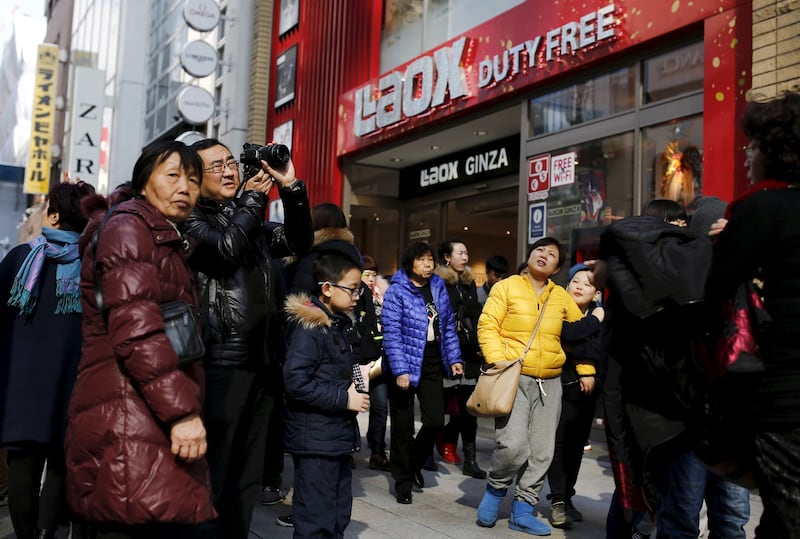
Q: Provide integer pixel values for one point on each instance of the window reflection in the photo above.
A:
(602, 190)
(672, 160)
(596, 98)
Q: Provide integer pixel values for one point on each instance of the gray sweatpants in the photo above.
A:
(525, 440)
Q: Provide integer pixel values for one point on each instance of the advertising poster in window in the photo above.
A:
(537, 219)
(283, 133)
(290, 15)
(286, 65)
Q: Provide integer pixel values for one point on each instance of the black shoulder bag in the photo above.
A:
(180, 321)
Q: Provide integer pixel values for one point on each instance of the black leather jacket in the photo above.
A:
(240, 290)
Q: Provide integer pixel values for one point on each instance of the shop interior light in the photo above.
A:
(433, 147)
(480, 133)
(466, 228)
(396, 159)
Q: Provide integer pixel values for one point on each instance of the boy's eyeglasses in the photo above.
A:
(219, 167)
(354, 292)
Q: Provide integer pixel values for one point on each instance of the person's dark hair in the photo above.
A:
(331, 267)
(328, 215)
(665, 210)
(65, 200)
(369, 263)
(156, 153)
(207, 143)
(774, 127)
(523, 266)
(543, 242)
(413, 251)
(498, 264)
(446, 249)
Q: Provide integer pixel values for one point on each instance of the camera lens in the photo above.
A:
(277, 155)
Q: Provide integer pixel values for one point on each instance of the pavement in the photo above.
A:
(446, 507)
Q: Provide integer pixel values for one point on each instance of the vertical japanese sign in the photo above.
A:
(37, 174)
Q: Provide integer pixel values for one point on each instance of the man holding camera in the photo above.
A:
(241, 298)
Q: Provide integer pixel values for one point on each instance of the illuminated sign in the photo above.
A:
(37, 173)
(481, 163)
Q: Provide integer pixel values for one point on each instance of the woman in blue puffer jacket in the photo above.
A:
(421, 345)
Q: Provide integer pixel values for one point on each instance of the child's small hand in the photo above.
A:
(599, 313)
(357, 402)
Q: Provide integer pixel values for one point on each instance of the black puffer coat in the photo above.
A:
(236, 278)
(317, 374)
(464, 299)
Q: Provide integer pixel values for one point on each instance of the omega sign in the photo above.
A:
(201, 15)
(491, 160)
(440, 78)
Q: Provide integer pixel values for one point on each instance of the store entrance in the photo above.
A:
(486, 223)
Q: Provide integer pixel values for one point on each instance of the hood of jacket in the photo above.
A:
(333, 234)
(451, 277)
(306, 311)
(655, 264)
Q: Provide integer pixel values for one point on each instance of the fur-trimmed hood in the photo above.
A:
(333, 234)
(307, 311)
(451, 277)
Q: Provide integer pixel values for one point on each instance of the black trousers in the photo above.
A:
(408, 452)
(323, 496)
(28, 508)
(142, 531)
(462, 423)
(237, 415)
(573, 430)
(272, 476)
(777, 473)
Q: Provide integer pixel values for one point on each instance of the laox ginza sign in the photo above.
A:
(441, 77)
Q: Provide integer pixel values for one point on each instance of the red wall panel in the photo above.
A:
(338, 47)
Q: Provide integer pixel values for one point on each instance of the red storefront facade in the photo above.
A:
(613, 103)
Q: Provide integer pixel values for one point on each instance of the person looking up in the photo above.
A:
(238, 284)
(524, 440)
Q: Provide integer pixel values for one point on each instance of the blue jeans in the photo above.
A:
(685, 483)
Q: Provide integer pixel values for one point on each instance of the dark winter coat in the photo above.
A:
(652, 393)
(653, 265)
(762, 239)
(585, 347)
(237, 281)
(405, 327)
(466, 309)
(129, 389)
(335, 240)
(39, 357)
(317, 375)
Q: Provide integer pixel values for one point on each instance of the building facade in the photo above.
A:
(500, 123)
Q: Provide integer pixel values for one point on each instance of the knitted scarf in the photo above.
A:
(61, 247)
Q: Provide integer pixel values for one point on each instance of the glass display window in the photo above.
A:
(599, 191)
(593, 99)
(672, 161)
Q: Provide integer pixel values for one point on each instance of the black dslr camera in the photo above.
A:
(276, 156)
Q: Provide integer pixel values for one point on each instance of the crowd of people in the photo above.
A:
(110, 429)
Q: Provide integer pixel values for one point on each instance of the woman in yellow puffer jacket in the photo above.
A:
(524, 440)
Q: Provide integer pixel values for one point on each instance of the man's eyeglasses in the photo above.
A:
(218, 168)
(354, 292)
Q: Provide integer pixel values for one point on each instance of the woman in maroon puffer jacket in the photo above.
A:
(135, 440)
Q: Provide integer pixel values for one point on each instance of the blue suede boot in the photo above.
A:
(523, 520)
(490, 506)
